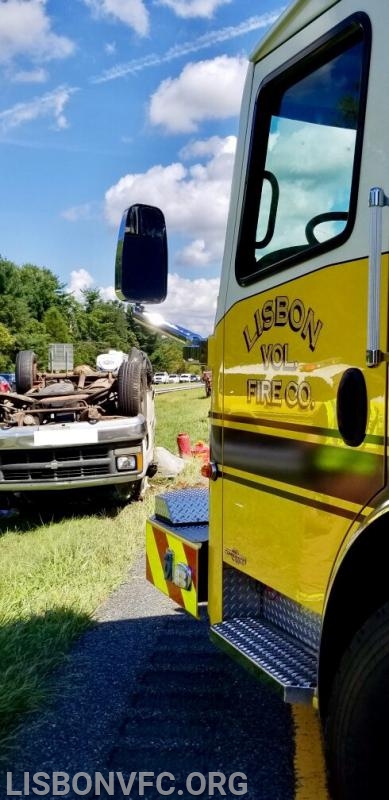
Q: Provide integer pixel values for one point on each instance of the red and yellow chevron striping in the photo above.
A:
(172, 566)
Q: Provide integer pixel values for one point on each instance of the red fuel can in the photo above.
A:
(183, 442)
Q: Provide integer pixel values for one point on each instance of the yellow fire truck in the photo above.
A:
(298, 553)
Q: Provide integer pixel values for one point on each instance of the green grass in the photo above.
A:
(55, 572)
(182, 412)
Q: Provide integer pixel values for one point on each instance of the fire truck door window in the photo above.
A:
(309, 117)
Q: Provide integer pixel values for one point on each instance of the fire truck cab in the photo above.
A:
(298, 554)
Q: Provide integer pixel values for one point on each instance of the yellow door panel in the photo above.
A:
(291, 485)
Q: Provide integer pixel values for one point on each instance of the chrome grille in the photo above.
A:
(56, 464)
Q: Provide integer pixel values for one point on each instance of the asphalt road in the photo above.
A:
(145, 691)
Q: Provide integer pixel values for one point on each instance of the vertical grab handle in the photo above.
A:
(377, 199)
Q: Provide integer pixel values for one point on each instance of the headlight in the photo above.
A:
(126, 462)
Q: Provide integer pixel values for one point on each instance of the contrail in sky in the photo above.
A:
(208, 39)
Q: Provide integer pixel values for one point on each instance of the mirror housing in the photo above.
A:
(195, 347)
(197, 353)
(141, 255)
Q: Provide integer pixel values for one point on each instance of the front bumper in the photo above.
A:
(71, 455)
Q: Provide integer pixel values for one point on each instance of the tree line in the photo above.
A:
(36, 311)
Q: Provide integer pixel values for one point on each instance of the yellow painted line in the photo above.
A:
(309, 763)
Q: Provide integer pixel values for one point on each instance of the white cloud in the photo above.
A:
(80, 279)
(25, 29)
(29, 76)
(214, 146)
(132, 13)
(110, 48)
(107, 293)
(190, 303)
(194, 254)
(204, 90)
(194, 199)
(77, 213)
(193, 8)
(51, 104)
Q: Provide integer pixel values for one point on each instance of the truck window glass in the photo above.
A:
(310, 118)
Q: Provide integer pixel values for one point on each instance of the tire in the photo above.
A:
(25, 371)
(132, 386)
(356, 730)
(135, 354)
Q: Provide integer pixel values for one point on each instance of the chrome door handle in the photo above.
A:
(377, 199)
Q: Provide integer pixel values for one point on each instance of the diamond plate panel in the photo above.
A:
(241, 595)
(291, 617)
(183, 507)
(245, 597)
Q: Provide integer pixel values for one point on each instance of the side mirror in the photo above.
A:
(141, 256)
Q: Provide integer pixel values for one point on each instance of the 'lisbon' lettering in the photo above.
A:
(280, 312)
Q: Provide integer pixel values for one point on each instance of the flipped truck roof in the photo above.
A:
(295, 17)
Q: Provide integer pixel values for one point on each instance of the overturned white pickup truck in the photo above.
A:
(80, 428)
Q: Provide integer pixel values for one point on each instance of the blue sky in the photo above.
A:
(109, 102)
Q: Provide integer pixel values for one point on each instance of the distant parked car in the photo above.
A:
(161, 377)
(174, 378)
(194, 378)
(185, 377)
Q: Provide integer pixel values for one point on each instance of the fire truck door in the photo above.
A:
(303, 431)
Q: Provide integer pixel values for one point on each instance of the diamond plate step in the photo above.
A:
(290, 664)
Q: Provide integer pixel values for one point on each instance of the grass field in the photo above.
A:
(56, 570)
(182, 412)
